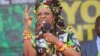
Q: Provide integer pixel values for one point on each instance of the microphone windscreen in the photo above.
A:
(47, 27)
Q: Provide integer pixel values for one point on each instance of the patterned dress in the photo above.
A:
(44, 48)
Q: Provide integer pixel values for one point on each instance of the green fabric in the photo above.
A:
(11, 29)
(70, 42)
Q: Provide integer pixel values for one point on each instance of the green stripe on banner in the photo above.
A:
(99, 54)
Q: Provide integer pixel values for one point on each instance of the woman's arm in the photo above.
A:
(60, 46)
(28, 49)
(67, 51)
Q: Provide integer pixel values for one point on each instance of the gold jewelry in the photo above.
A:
(64, 46)
(61, 47)
(27, 34)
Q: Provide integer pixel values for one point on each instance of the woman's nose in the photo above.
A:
(42, 15)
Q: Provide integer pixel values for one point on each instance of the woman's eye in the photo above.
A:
(39, 14)
(47, 13)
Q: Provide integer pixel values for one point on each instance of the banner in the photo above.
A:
(78, 14)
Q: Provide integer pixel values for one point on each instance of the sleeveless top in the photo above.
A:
(44, 48)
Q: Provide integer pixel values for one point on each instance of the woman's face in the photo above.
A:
(44, 15)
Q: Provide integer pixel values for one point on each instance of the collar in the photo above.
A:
(98, 39)
(98, 43)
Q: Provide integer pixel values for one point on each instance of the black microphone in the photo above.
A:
(46, 28)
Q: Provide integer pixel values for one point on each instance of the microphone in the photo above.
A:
(46, 28)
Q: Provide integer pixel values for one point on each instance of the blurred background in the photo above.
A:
(79, 15)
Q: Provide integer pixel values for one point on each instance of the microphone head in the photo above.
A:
(47, 27)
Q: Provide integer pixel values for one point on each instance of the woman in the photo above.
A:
(51, 37)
